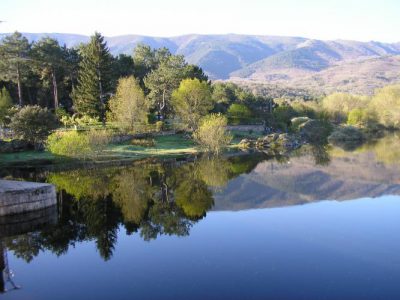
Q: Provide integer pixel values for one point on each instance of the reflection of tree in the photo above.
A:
(83, 183)
(132, 192)
(154, 199)
(191, 192)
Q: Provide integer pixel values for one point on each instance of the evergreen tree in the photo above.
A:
(49, 60)
(14, 60)
(94, 78)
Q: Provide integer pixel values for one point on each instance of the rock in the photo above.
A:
(246, 144)
(296, 122)
(315, 130)
(346, 134)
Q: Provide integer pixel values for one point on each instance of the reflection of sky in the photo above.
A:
(330, 250)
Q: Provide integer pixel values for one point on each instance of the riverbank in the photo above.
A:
(161, 147)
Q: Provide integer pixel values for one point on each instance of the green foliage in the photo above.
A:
(5, 106)
(339, 105)
(386, 104)
(191, 101)
(14, 63)
(128, 107)
(359, 117)
(49, 61)
(95, 78)
(78, 144)
(33, 124)
(211, 134)
(163, 80)
(282, 116)
(69, 143)
(239, 114)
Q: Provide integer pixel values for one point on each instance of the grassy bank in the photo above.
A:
(164, 146)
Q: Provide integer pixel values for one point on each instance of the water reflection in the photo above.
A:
(151, 199)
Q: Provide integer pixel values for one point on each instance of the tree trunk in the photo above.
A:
(19, 87)
(55, 90)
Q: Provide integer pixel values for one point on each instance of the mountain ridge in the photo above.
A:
(262, 58)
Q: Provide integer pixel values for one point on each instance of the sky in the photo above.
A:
(362, 20)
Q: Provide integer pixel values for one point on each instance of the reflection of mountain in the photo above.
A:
(273, 185)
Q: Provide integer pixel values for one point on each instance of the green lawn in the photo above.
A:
(165, 146)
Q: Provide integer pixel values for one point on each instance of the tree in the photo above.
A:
(5, 105)
(144, 61)
(386, 104)
(191, 101)
(128, 106)
(212, 133)
(123, 66)
(33, 124)
(162, 81)
(94, 79)
(14, 60)
(49, 60)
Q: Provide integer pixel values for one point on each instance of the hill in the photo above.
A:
(324, 65)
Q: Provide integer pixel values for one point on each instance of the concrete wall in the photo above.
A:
(20, 197)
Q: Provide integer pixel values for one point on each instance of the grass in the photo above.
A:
(165, 146)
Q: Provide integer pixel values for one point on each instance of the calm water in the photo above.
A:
(320, 224)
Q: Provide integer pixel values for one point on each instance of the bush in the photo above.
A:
(338, 105)
(239, 113)
(211, 134)
(159, 126)
(361, 118)
(143, 142)
(33, 124)
(70, 143)
(5, 106)
(386, 104)
(76, 144)
(282, 116)
(345, 134)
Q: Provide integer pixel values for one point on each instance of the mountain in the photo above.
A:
(326, 65)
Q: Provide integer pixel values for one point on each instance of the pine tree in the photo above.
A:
(14, 60)
(94, 78)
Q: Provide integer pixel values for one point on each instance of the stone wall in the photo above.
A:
(20, 197)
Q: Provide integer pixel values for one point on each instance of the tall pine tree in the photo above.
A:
(15, 60)
(94, 78)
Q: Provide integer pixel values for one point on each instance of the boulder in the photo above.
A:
(315, 130)
(296, 122)
(246, 144)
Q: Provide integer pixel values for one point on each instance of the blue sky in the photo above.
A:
(335, 19)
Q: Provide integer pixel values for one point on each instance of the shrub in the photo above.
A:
(239, 113)
(346, 134)
(33, 124)
(159, 126)
(211, 134)
(78, 144)
(283, 115)
(5, 106)
(70, 143)
(386, 104)
(338, 105)
(347, 137)
(143, 142)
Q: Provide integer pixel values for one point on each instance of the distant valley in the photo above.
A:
(325, 66)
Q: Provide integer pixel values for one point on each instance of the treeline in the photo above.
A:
(82, 79)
